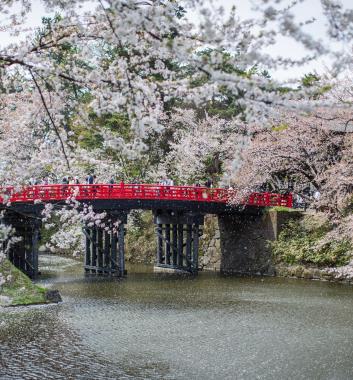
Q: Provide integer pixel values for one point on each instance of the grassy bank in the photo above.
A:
(19, 289)
(304, 242)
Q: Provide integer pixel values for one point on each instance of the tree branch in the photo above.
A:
(50, 118)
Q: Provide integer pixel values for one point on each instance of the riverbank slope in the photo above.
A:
(19, 289)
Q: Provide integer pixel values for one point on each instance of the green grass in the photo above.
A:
(282, 208)
(299, 243)
(20, 289)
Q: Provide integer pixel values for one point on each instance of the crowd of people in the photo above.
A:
(91, 179)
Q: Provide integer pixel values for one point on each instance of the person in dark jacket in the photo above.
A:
(208, 183)
(90, 179)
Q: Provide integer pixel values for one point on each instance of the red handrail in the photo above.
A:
(47, 193)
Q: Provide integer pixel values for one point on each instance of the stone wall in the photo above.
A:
(239, 243)
(244, 245)
(210, 245)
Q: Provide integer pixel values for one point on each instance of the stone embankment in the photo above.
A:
(337, 274)
(212, 258)
(238, 244)
(210, 245)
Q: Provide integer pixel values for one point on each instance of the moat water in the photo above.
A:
(150, 326)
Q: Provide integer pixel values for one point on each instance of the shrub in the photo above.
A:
(302, 242)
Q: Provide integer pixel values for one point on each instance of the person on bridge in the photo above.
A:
(163, 181)
(64, 189)
(45, 181)
(111, 183)
(91, 179)
(209, 183)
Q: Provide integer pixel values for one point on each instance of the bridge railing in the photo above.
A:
(61, 192)
(270, 200)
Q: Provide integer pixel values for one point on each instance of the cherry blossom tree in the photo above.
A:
(297, 150)
(134, 56)
(137, 57)
(141, 58)
(200, 148)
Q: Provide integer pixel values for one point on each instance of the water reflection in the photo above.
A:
(163, 327)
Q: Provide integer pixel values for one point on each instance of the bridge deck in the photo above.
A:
(62, 192)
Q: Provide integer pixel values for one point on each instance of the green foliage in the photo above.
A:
(116, 122)
(141, 238)
(226, 105)
(280, 127)
(20, 288)
(310, 79)
(299, 243)
(89, 139)
(281, 209)
(89, 136)
(180, 11)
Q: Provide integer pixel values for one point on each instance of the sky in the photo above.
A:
(284, 47)
(288, 47)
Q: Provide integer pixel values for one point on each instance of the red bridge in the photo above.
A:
(178, 215)
(50, 193)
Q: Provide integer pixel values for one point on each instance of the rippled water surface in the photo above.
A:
(150, 326)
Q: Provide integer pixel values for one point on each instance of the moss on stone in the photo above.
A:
(19, 289)
(282, 209)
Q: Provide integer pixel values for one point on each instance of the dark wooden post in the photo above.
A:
(121, 250)
(113, 252)
(167, 244)
(195, 258)
(94, 249)
(24, 253)
(107, 260)
(88, 262)
(188, 245)
(159, 244)
(175, 244)
(105, 246)
(99, 249)
(21, 256)
(34, 248)
(180, 245)
(178, 221)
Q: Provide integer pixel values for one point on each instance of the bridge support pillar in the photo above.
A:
(178, 240)
(24, 253)
(105, 251)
